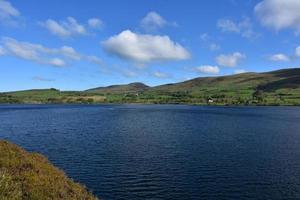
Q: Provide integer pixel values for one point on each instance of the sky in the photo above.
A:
(76, 45)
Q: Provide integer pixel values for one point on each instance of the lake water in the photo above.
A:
(165, 151)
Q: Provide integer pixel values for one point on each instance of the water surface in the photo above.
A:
(165, 151)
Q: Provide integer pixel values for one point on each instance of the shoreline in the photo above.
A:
(161, 104)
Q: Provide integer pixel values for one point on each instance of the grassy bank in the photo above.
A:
(30, 176)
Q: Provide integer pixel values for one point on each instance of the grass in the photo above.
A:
(30, 176)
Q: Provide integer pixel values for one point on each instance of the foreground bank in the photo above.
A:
(30, 176)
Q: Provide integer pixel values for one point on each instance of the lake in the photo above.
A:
(165, 151)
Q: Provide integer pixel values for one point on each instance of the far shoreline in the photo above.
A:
(147, 104)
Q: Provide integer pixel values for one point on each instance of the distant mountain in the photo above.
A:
(120, 89)
(281, 87)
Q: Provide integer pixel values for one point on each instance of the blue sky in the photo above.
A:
(76, 45)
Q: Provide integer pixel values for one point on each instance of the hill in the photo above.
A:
(30, 176)
(120, 89)
(239, 81)
(281, 87)
(276, 87)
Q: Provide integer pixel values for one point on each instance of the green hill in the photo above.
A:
(30, 176)
(120, 89)
(281, 87)
(276, 87)
(239, 81)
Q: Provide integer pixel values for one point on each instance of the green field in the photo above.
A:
(280, 87)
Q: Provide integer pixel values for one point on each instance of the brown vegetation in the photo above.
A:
(30, 176)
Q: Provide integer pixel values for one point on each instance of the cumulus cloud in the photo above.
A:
(65, 28)
(95, 23)
(230, 60)
(8, 13)
(43, 55)
(144, 48)
(279, 14)
(279, 58)
(153, 21)
(244, 27)
(208, 69)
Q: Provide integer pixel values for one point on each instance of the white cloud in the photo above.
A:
(230, 60)
(94, 59)
(20, 49)
(207, 69)
(66, 28)
(7, 10)
(2, 51)
(56, 29)
(279, 58)
(297, 51)
(57, 62)
(44, 55)
(227, 25)
(153, 21)
(279, 14)
(8, 13)
(129, 74)
(204, 37)
(239, 71)
(144, 48)
(214, 47)
(69, 52)
(161, 75)
(244, 27)
(95, 23)
(211, 45)
(33, 52)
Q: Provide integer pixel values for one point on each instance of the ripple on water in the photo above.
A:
(166, 152)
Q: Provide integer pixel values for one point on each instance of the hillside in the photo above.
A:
(276, 87)
(30, 176)
(120, 89)
(281, 87)
(287, 77)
